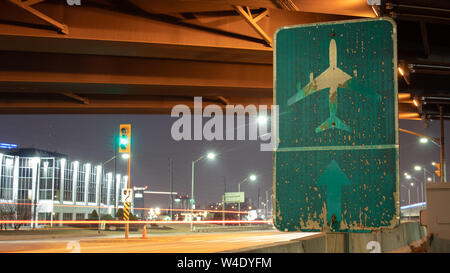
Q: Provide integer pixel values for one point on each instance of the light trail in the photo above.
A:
(81, 222)
(106, 207)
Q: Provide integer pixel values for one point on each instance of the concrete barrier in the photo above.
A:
(401, 239)
(312, 244)
(231, 228)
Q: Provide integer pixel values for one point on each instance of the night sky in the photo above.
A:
(89, 138)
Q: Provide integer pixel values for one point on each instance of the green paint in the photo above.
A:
(333, 178)
(338, 135)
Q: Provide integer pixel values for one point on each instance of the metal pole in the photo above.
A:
(192, 194)
(424, 184)
(223, 200)
(266, 212)
(171, 188)
(127, 226)
(223, 209)
(100, 200)
(442, 146)
(115, 171)
(417, 190)
(239, 205)
(409, 201)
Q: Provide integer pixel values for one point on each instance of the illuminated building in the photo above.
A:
(51, 187)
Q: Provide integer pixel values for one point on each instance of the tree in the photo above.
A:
(119, 213)
(13, 212)
(93, 215)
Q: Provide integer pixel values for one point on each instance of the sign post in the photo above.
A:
(336, 166)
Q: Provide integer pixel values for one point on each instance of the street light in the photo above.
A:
(409, 197)
(409, 177)
(262, 119)
(418, 168)
(423, 140)
(251, 177)
(210, 156)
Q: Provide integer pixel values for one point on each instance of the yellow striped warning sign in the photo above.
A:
(126, 211)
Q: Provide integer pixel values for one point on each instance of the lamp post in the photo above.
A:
(124, 156)
(436, 141)
(209, 156)
(412, 184)
(223, 200)
(419, 168)
(409, 197)
(251, 177)
(267, 202)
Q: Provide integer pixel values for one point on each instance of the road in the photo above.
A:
(179, 243)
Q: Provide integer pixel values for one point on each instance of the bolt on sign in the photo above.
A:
(336, 166)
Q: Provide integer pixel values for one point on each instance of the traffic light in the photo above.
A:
(438, 167)
(125, 138)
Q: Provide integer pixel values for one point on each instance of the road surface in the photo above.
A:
(180, 243)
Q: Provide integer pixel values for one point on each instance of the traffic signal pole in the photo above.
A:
(127, 225)
(124, 149)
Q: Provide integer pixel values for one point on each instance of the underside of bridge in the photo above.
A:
(145, 56)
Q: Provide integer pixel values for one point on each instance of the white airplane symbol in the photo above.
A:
(331, 78)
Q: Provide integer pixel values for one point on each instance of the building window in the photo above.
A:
(46, 171)
(80, 183)
(25, 179)
(92, 187)
(57, 180)
(104, 195)
(80, 216)
(6, 178)
(67, 216)
(68, 181)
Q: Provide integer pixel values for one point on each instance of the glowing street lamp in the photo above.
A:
(251, 177)
(210, 156)
(262, 119)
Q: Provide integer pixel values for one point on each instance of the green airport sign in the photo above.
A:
(336, 166)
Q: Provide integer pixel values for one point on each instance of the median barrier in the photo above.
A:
(407, 237)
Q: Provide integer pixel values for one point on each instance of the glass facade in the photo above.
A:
(52, 188)
(6, 178)
(81, 176)
(26, 167)
(68, 181)
(46, 175)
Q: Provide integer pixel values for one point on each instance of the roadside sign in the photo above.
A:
(127, 195)
(336, 166)
(234, 197)
(126, 211)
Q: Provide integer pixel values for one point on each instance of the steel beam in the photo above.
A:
(26, 5)
(253, 22)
